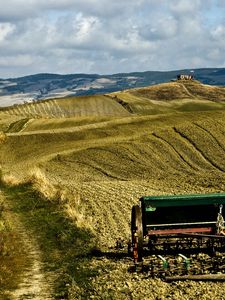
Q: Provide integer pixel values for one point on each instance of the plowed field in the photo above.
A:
(101, 166)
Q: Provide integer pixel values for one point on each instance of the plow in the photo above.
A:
(179, 237)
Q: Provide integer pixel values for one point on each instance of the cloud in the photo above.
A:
(185, 7)
(5, 30)
(16, 61)
(218, 33)
(21, 9)
(162, 28)
(70, 36)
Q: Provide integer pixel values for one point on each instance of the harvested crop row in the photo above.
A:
(70, 107)
(199, 138)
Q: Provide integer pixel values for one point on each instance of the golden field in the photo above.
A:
(99, 154)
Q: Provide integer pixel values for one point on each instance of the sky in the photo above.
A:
(110, 36)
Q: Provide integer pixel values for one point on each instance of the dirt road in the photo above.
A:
(34, 282)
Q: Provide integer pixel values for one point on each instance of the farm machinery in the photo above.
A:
(179, 236)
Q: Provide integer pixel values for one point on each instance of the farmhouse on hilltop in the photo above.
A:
(184, 77)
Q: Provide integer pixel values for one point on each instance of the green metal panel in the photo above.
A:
(149, 203)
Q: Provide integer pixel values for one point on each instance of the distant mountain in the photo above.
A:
(44, 86)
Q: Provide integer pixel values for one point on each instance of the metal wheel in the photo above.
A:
(137, 231)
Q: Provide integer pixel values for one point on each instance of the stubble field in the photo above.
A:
(98, 166)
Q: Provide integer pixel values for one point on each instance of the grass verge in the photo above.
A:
(66, 248)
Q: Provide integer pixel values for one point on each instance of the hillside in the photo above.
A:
(150, 134)
(173, 96)
(161, 98)
(44, 86)
(96, 155)
(69, 107)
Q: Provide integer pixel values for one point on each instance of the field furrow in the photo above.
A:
(29, 111)
(199, 142)
(96, 155)
(39, 111)
(43, 107)
(214, 132)
(96, 166)
(59, 109)
(167, 155)
(163, 137)
(50, 107)
(20, 111)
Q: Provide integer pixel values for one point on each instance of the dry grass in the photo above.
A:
(98, 168)
(69, 107)
(10, 179)
(63, 123)
(69, 200)
(2, 223)
(98, 173)
(3, 137)
(172, 97)
(156, 99)
(43, 185)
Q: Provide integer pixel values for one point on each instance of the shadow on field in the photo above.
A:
(115, 254)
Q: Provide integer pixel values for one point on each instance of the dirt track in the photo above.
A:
(34, 282)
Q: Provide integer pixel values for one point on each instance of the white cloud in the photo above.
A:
(18, 9)
(219, 32)
(5, 30)
(16, 61)
(162, 27)
(67, 36)
(184, 7)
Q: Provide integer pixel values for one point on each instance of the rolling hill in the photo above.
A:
(44, 86)
(154, 135)
(96, 155)
(173, 96)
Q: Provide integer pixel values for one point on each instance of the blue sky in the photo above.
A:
(104, 36)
